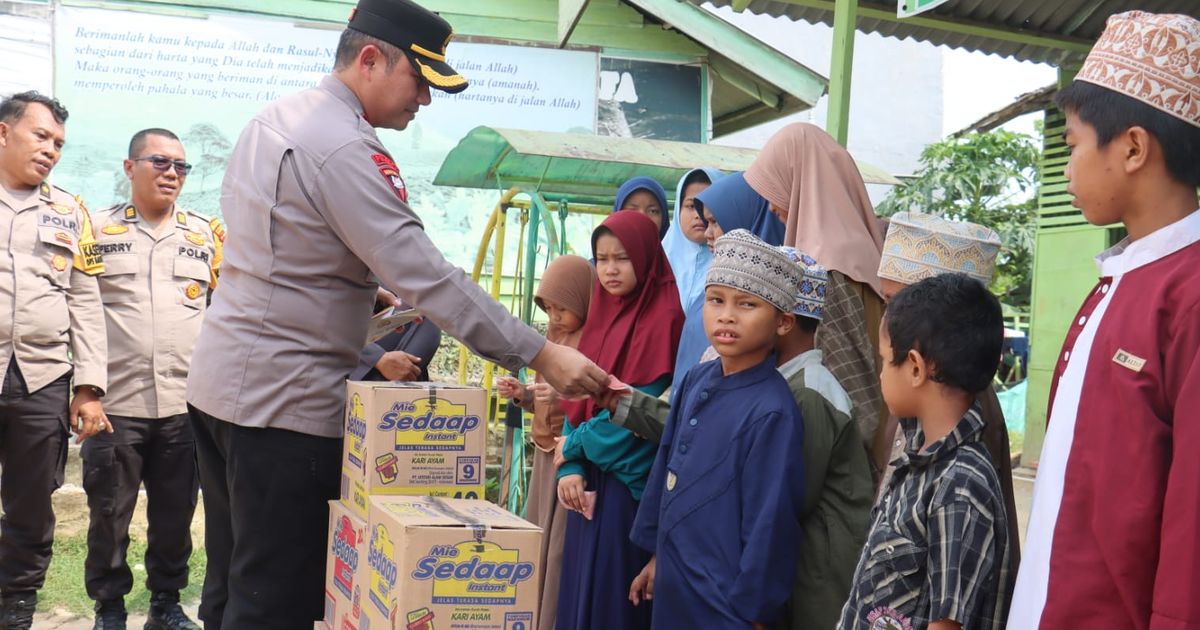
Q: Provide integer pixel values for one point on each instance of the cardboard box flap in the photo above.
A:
(422, 511)
(434, 385)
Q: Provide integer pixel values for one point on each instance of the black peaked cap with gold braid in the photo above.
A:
(422, 34)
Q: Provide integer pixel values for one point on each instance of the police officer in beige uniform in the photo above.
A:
(161, 261)
(51, 328)
(316, 211)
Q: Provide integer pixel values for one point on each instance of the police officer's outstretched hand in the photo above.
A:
(87, 415)
(568, 371)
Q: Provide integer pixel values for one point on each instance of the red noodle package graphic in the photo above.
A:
(345, 567)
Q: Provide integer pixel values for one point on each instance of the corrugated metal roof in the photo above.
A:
(961, 23)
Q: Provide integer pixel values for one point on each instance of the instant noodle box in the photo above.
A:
(345, 568)
(447, 564)
(413, 439)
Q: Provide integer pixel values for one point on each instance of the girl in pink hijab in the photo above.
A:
(815, 188)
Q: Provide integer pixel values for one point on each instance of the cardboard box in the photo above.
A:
(413, 439)
(449, 564)
(345, 568)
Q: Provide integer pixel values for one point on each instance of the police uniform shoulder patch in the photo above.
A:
(61, 209)
(130, 213)
(113, 230)
(218, 230)
(181, 218)
(195, 238)
(44, 189)
(391, 174)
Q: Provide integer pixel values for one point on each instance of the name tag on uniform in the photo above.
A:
(194, 253)
(1129, 361)
(50, 220)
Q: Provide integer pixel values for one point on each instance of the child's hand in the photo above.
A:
(643, 585)
(570, 492)
(543, 393)
(510, 387)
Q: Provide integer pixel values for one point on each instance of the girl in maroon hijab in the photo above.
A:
(632, 332)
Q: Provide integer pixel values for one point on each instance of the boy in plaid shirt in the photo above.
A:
(937, 553)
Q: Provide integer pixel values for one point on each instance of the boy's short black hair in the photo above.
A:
(13, 107)
(807, 324)
(1109, 112)
(955, 323)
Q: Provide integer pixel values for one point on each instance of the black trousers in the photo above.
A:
(33, 452)
(266, 516)
(161, 453)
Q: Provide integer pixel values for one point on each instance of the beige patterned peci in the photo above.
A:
(1154, 58)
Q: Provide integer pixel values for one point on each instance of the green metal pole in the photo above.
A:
(536, 209)
(845, 15)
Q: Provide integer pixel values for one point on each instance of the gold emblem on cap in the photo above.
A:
(193, 290)
(670, 481)
(59, 263)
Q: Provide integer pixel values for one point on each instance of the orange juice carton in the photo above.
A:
(413, 439)
(449, 564)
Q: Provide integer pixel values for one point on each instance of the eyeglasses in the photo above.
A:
(161, 164)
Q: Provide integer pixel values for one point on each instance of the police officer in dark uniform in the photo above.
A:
(51, 340)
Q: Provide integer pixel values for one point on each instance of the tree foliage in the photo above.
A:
(986, 178)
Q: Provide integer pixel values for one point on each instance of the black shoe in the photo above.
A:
(16, 611)
(110, 615)
(166, 614)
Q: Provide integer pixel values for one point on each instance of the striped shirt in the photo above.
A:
(938, 546)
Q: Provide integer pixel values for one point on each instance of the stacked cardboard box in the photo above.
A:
(413, 438)
(410, 545)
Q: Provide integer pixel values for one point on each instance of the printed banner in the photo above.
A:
(203, 78)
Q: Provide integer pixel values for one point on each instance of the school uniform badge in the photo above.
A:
(391, 173)
(59, 263)
(1129, 361)
(883, 618)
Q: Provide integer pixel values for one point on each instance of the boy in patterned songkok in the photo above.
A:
(920, 246)
(1113, 531)
(937, 553)
(839, 487)
(721, 509)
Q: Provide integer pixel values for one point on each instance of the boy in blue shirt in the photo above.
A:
(722, 505)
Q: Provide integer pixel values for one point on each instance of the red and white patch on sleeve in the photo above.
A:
(388, 169)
